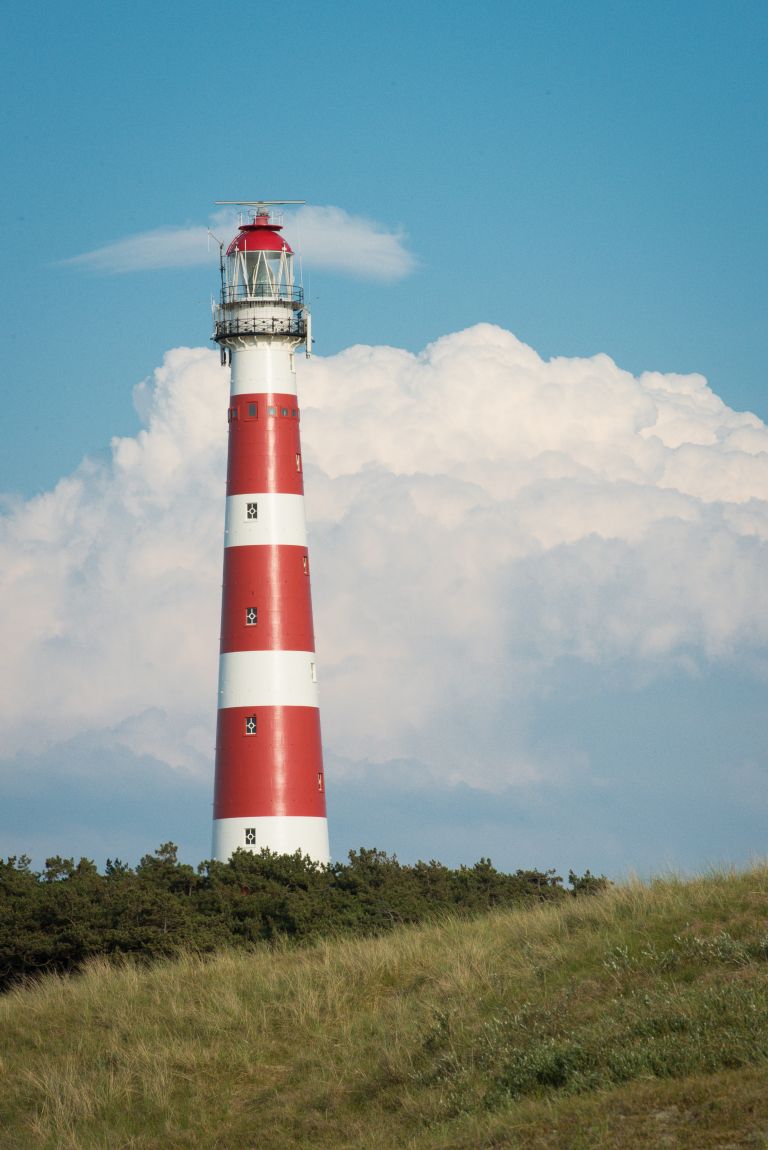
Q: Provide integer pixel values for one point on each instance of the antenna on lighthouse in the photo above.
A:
(258, 203)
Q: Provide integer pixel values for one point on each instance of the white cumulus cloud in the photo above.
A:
(478, 516)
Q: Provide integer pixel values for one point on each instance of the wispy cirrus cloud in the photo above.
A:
(331, 238)
(326, 236)
(148, 251)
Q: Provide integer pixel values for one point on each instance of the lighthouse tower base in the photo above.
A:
(281, 834)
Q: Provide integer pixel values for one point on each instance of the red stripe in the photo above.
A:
(275, 582)
(265, 450)
(277, 771)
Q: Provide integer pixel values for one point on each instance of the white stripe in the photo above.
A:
(263, 366)
(283, 834)
(279, 520)
(268, 679)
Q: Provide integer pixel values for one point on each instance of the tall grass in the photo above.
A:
(522, 1028)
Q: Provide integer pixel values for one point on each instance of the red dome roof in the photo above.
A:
(259, 236)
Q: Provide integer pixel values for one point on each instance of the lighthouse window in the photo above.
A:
(250, 724)
(313, 671)
(271, 411)
(251, 616)
(294, 413)
(231, 414)
(251, 511)
(253, 410)
(250, 836)
(320, 780)
(298, 461)
(305, 561)
(283, 410)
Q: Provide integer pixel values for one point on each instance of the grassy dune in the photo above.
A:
(636, 1018)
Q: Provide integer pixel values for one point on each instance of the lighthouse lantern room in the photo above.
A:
(270, 787)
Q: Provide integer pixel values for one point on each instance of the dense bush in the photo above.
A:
(56, 919)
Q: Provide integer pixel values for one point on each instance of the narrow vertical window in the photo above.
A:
(320, 780)
(283, 410)
(298, 461)
(250, 836)
(253, 410)
(305, 561)
(313, 671)
(251, 511)
(250, 724)
(251, 616)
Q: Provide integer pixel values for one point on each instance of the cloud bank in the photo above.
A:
(488, 531)
(328, 237)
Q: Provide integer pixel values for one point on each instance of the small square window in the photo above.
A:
(250, 836)
(271, 411)
(250, 724)
(294, 413)
(251, 511)
(283, 410)
(253, 410)
(251, 616)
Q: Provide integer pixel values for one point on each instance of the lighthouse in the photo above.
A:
(270, 786)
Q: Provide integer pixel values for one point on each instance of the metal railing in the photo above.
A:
(261, 293)
(294, 324)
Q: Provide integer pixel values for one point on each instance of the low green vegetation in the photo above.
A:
(635, 1018)
(56, 919)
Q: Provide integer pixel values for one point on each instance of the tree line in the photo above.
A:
(56, 919)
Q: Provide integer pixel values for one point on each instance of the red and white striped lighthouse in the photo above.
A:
(270, 789)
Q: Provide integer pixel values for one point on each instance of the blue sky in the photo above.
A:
(591, 178)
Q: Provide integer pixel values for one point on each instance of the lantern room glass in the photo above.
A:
(259, 275)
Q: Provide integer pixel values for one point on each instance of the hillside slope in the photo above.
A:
(635, 1018)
